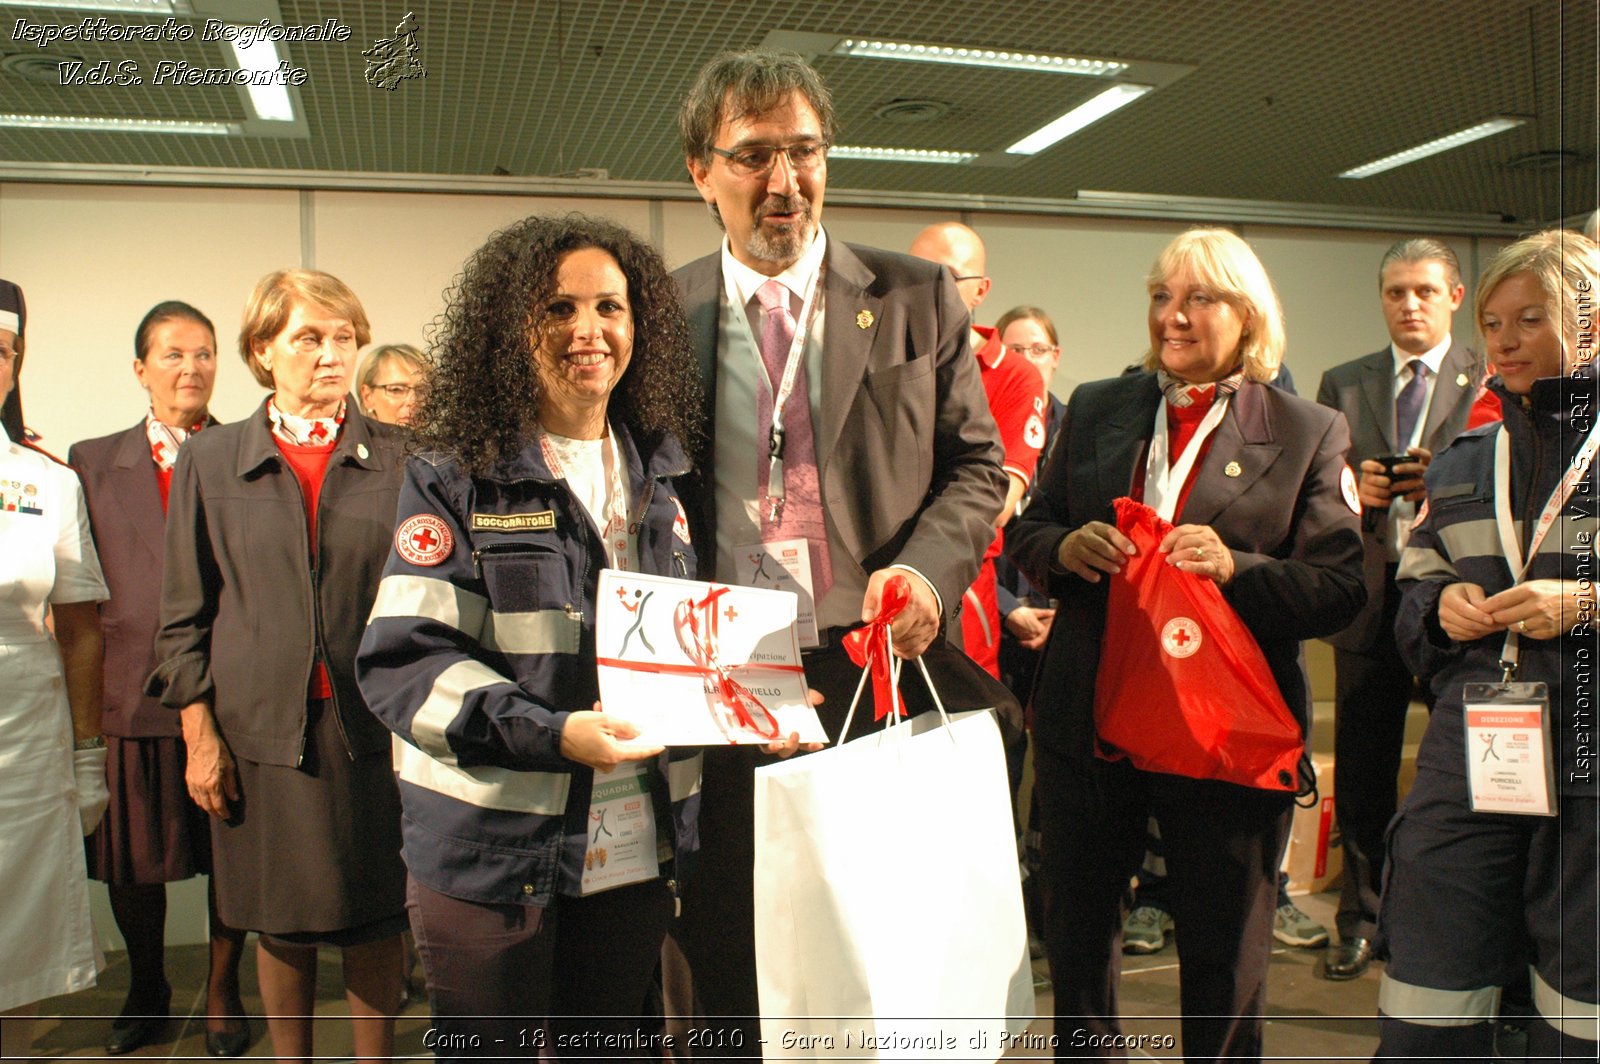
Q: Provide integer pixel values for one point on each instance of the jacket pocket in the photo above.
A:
(521, 578)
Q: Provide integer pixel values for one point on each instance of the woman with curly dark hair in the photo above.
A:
(560, 385)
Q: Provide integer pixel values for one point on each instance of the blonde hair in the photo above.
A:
(267, 311)
(1566, 265)
(1219, 260)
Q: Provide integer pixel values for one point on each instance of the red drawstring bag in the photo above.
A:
(1183, 687)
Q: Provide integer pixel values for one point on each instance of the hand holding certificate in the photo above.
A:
(692, 664)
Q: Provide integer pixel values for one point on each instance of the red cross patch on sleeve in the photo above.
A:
(423, 540)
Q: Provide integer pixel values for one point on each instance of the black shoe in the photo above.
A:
(229, 1043)
(131, 1032)
(1349, 959)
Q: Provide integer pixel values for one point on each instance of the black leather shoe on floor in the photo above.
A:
(228, 1043)
(1349, 960)
(132, 1032)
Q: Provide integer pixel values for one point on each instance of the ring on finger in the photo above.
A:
(1199, 554)
(1522, 626)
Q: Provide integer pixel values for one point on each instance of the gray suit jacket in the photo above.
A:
(1363, 390)
(907, 451)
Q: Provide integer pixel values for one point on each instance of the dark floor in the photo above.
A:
(1309, 1018)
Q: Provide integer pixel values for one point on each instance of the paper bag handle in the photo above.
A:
(894, 686)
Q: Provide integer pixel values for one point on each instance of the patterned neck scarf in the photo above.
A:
(166, 439)
(305, 431)
(1181, 394)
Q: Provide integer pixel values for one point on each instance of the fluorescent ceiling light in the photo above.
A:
(95, 124)
(123, 7)
(1086, 113)
(899, 155)
(982, 57)
(271, 102)
(1487, 128)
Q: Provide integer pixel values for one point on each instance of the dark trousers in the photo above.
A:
(1222, 844)
(716, 931)
(1372, 691)
(1469, 897)
(566, 981)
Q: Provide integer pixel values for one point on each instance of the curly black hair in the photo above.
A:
(481, 395)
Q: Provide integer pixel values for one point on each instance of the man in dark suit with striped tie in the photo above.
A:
(1411, 398)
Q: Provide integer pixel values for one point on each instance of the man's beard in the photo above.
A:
(787, 243)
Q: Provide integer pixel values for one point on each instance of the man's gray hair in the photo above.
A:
(738, 84)
(1422, 249)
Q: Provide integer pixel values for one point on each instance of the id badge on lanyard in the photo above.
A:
(1510, 745)
(621, 846)
(1510, 758)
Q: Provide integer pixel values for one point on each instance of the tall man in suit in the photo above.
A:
(845, 413)
(1410, 398)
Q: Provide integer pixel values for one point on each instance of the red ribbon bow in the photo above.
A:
(701, 648)
(868, 647)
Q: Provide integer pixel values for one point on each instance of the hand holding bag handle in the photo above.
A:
(872, 648)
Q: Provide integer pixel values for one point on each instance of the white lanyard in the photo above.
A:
(1164, 480)
(1509, 547)
(780, 401)
(615, 533)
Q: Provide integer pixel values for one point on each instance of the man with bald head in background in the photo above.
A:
(1016, 397)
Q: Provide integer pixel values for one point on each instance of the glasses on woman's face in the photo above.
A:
(1030, 350)
(397, 392)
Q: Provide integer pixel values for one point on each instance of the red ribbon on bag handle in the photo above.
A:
(868, 647)
(701, 648)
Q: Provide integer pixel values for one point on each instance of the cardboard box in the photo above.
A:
(1314, 859)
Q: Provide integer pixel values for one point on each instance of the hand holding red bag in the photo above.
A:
(1183, 687)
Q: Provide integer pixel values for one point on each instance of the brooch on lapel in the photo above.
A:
(1232, 469)
(1461, 380)
(864, 319)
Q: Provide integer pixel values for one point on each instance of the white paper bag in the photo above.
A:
(888, 904)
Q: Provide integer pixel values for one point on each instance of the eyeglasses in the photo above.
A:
(1035, 350)
(959, 277)
(397, 392)
(754, 160)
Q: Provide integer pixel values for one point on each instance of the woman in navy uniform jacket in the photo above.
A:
(1269, 513)
(1468, 892)
(553, 421)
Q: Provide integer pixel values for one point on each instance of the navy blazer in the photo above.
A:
(1296, 543)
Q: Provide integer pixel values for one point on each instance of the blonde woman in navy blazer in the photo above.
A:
(1265, 517)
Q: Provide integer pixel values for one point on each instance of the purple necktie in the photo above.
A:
(801, 515)
(1408, 404)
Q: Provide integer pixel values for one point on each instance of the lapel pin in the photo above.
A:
(361, 451)
(864, 319)
(1232, 469)
(1461, 380)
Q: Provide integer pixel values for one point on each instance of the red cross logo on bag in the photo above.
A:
(423, 540)
(1180, 637)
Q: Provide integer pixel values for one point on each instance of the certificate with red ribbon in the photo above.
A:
(697, 664)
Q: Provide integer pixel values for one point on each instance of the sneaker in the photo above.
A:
(1294, 928)
(1145, 930)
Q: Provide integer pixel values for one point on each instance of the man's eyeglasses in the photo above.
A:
(1034, 350)
(397, 392)
(754, 160)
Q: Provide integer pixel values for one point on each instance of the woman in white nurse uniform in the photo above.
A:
(52, 756)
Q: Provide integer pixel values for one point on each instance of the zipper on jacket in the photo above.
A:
(317, 655)
(680, 562)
